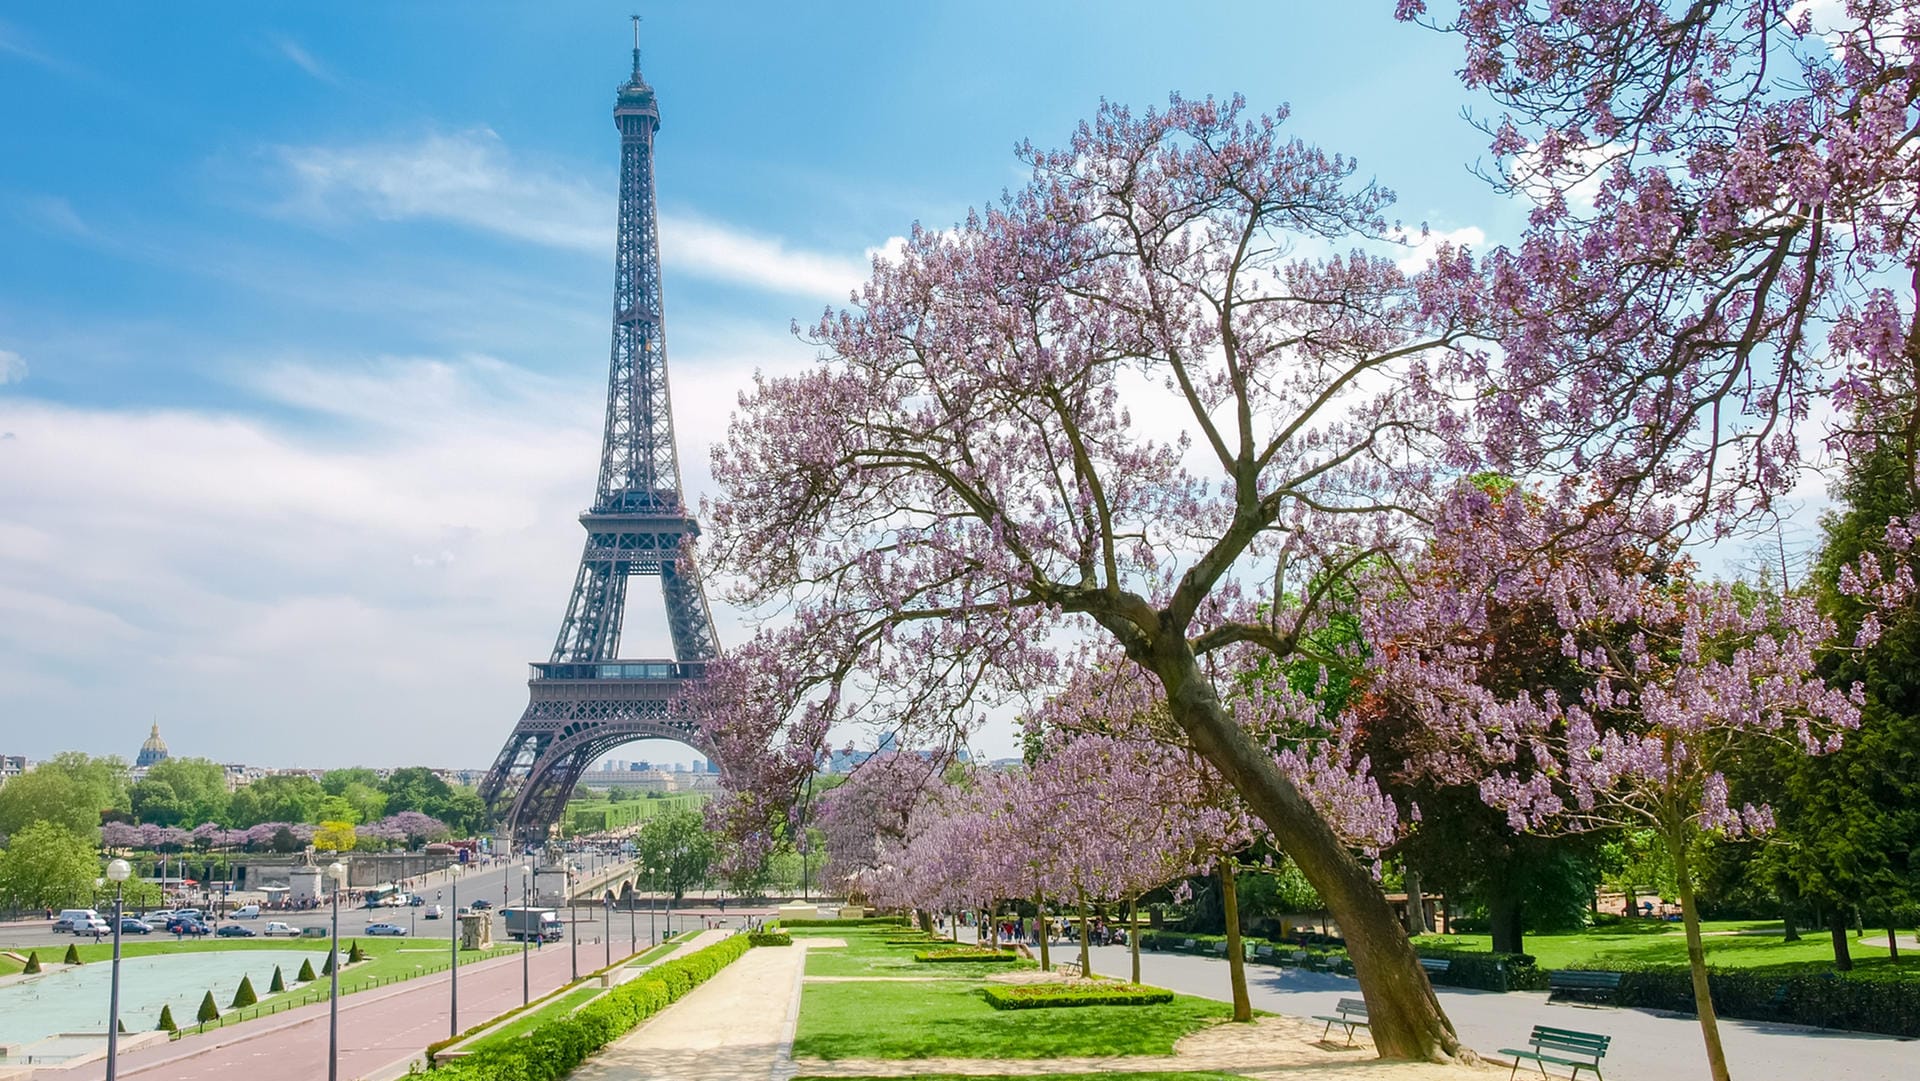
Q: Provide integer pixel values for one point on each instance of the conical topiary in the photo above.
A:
(72, 957)
(279, 984)
(208, 1011)
(33, 963)
(306, 970)
(243, 995)
(355, 955)
(327, 969)
(166, 1021)
(123, 1026)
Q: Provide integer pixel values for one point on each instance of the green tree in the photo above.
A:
(678, 843)
(243, 995)
(306, 971)
(208, 1011)
(279, 983)
(73, 955)
(334, 836)
(70, 789)
(166, 1020)
(290, 797)
(181, 792)
(360, 788)
(47, 865)
(32, 967)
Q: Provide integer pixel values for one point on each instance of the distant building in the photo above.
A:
(12, 765)
(153, 751)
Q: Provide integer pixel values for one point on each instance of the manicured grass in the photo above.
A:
(868, 953)
(901, 1019)
(1654, 942)
(1151, 1075)
(9, 966)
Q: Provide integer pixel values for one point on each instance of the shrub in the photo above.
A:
(769, 938)
(243, 995)
(33, 963)
(1039, 996)
(208, 1011)
(1881, 1002)
(327, 969)
(965, 954)
(306, 971)
(72, 957)
(354, 954)
(166, 1021)
(1487, 971)
(556, 1047)
(864, 921)
(279, 983)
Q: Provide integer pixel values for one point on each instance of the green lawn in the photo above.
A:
(9, 966)
(903, 1020)
(867, 954)
(1653, 942)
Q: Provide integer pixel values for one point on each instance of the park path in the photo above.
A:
(381, 1031)
(738, 1026)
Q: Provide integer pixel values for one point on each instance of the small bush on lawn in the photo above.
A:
(72, 957)
(355, 955)
(552, 1050)
(864, 921)
(33, 964)
(1040, 996)
(965, 954)
(208, 1011)
(279, 983)
(243, 995)
(769, 938)
(166, 1021)
(327, 969)
(306, 971)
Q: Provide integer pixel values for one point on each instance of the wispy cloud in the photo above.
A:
(472, 180)
(13, 367)
(303, 59)
(15, 43)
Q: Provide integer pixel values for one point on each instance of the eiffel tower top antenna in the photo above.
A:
(636, 46)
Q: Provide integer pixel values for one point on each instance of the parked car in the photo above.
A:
(276, 929)
(187, 925)
(94, 926)
(191, 913)
(71, 919)
(131, 926)
(386, 929)
(482, 905)
(246, 912)
(236, 930)
(433, 912)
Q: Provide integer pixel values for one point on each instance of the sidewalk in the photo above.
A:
(738, 1025)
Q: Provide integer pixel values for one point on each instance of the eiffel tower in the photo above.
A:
(585, 700)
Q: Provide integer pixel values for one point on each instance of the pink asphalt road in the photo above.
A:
(379, 1030)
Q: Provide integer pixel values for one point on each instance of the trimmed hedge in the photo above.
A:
(555, 1048)
(965, 954)
(769, 938)
(1487, 971)
(864, 921)
(72, 957)
(1040, 996)
(1860, 1002)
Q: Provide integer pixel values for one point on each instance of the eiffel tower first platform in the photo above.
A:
(585, 700)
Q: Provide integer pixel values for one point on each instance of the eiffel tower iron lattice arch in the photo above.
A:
(585, 700)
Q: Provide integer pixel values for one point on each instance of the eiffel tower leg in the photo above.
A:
(688, 620)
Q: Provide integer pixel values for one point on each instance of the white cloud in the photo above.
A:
(1421, 248)
(13, 367)
(472, 180)
(303, 59)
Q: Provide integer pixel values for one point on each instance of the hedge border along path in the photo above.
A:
(965, 954)
(1041, 996)
(555, 1048)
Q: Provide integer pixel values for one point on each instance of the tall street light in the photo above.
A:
(606, 926)
(573, 919)
(453, 973)
(633, 926)
(652, 935)
(336, 874)
(526, 984)
(117, 872)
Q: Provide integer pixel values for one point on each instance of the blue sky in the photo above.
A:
(303, 308)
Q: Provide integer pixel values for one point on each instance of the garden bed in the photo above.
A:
(1042, 996)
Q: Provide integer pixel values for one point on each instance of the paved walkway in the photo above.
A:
(1647, 1046)
(380, 1031)
(737, 1026)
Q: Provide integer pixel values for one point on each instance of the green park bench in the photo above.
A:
(1263, 953)
(1562, 1047)
(1219, 949)
(1436, 966)
(1352, 1013)
(1187, 944)
(1599, 988)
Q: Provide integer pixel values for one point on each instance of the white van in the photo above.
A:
(73, 919)
(246, 912)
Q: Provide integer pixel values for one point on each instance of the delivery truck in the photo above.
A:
(530, 924)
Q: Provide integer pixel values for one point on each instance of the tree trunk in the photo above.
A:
(1040, 923)
(1697, 963)
(1893, 943)
(1133, 935)
(1837, 927)
(1236, 956)
(1408, 1022)
(1503, 913)
(1416, 905)
(1633, 903)
(1786, 921)
(1086, 957)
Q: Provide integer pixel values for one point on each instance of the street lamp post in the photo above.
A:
(633, 926)
(453, 973)
(526, 983)
(117, 873)
(573, 919)
(606, 927)
(337, 874)
(652, 935)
